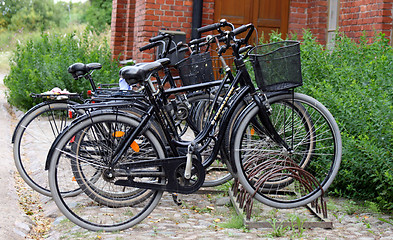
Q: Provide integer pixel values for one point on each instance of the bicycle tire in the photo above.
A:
(258, 160)
(226, 148)
(82, 209)
(98, 143)
(32, 139)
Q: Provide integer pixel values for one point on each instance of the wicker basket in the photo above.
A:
(277, 65)
(196, 69)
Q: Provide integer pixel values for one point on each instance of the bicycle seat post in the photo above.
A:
(90, 78)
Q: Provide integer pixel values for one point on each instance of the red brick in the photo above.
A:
(186, 25)
(179, 2)
(158, 12)
(179, 13)
(187, 3)
(152, 17)
(168, 14)
(165, 7)
(168, 19)
(176, 24)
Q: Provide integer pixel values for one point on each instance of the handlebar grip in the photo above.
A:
(242, 29)
(207, 28)
(149, 46)
(158, 38)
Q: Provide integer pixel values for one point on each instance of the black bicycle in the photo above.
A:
(283, 147)
(40, 125)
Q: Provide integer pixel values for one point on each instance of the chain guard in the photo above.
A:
(174, 180)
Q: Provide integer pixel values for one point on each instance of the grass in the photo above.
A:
(235, 222)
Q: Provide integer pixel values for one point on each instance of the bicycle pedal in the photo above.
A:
(177, 201)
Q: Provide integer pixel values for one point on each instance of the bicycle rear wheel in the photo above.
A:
(279, 178)
(32, 139)
(80, 159)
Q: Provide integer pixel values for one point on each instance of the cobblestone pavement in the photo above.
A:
(201, 216)
(208, 216)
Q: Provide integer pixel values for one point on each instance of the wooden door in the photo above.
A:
(237, 12)
(266, 15)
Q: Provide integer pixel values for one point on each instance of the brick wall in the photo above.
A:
(208, 12)
(135, 21)
(309, 14)
(298, 11)
(122, 15)
(365, 17)
(356, 17)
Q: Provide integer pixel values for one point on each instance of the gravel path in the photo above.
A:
(201, 216)
(13, 220)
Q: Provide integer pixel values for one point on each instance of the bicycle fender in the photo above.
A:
(238, 121)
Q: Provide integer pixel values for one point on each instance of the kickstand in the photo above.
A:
(176, 200)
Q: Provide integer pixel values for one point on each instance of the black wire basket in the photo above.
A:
(277, 65)
(196, 69)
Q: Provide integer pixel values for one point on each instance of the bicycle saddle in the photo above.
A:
(139, 72)
(79, 69)
(163, 61)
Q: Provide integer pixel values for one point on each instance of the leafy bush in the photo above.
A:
(354, 80)
(41, 64)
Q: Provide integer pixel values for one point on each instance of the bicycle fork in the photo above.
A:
(130, 137)
(263, 114)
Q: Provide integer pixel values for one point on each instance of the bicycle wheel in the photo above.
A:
(80, 159)
(279, 178)
(98, 143)
(32, 139)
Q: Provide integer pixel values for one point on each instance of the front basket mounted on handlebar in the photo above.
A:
(277, 65)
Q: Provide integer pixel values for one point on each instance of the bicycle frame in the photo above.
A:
(242, 78)
(222, 114)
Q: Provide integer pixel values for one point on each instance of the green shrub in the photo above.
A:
(354, 81)
(41, 64)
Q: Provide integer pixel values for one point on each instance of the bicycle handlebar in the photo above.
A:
(209, 28)
(149, 46)
(226, 37)
(242, 28)
(215, 26)
(159, 37)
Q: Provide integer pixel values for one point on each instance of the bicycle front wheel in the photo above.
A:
(281, 178)
(81, 159)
